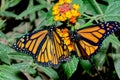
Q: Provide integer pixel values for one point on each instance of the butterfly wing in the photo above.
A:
(45, 46)
(88, 40)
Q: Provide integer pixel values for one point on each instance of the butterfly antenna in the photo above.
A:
(96, 69)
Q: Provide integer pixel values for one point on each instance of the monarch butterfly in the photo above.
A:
(45, 46)
(48, 48)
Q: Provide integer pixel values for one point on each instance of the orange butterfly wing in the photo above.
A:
(45, 46)
(88, 40)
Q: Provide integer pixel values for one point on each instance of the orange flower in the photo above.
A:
(73, 20)
(65, 36)
(66, 11)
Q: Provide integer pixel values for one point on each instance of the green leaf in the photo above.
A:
(86, 65)
(8, 73)
(86, 24)
(103, 7)
(111, 1)
(99, 58)
(70, 67)
(4, 58)
(41, 1)
(31, 10)
(2, 22)
(113, 39)
(2, 35)
(32, 15)
(90, 7)
(9, 3)
(8, 76)
(26, 66)
(4, 50)
(13, 2)
(20, 56)
(112, 12)
(38, 78)
(8, 14)
(30, 70)
(42, 14)
(116, 59)
(47, 19)
(42, 17)
(9, 69)
(50, 72)
(22, 65)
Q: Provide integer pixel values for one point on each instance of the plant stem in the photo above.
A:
(2, 4)
(100, 10)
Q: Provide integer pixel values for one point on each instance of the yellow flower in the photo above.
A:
(61, 1)
(56, 18)
(66, 11)
(76, 7)
(55, 12)
(68, 1)
(55, 7)
(75, 13)
(64, 17)
(68, 14)
(67, 40)
(71, 47)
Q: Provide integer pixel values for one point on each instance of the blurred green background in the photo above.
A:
(18, 17)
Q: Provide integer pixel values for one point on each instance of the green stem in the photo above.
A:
(93, 17)
(100, 10)
(2, 4)
(86, 16)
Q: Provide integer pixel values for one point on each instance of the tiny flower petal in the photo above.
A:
(73, 20)
(55, 12)
(76, 7)
(68, 1)
(55, 7)
(56, 17)
(71, 47)
(61, 2)
(74, 12)
(68, 14)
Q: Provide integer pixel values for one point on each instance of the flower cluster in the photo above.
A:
(64, 10)
(64, 34)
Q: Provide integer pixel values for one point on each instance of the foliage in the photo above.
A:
(18, 17)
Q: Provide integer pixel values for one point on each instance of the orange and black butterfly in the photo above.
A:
(48, 47)
(45, 46)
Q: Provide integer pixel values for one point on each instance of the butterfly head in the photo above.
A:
(52, 28)
(74, 36)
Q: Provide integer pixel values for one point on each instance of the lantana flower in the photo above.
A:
(64, 34)
(64, 10)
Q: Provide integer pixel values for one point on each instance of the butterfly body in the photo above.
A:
(50, 47)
